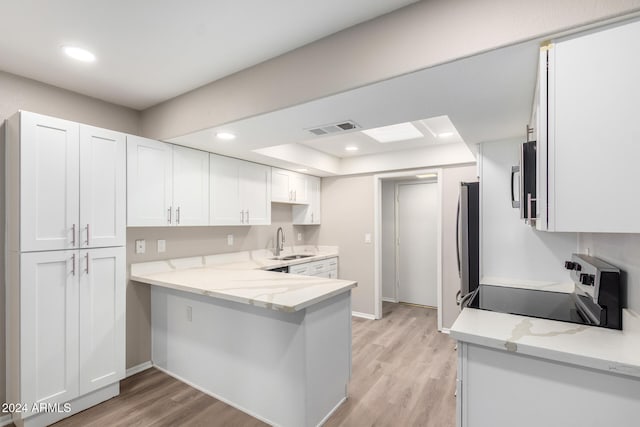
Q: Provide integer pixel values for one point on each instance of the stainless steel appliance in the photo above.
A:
(525, 175)
(596, 300)
(468, 239)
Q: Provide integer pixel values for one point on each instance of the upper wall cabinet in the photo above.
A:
(309, 214)
(289, 187)
(240, 192)
(67, 184)
(588, 139)
(167, 184)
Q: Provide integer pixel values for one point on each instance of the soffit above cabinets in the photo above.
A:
(148, 52)
(486, 97)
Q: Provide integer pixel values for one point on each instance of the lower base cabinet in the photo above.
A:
(500, 388)
(65, 327)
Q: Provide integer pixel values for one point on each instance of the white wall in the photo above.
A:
(510, 248)
(387, 240)
(623, 251)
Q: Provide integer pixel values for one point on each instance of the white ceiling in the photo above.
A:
(487, 97)
(150, 51)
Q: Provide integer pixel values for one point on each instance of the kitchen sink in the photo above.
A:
(291, 257)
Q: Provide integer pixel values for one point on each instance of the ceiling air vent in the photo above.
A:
(333, 128)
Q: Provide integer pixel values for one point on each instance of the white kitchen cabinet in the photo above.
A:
(149, 182)
(71, 319)
(68, 184)
(309, 214)
(103, 188)
(102, 317)
(190, 186)
(502, 388)
(588, 158)
(289, 187)
(240, 192)
(323, 268)
(49, 325)
(166, 184)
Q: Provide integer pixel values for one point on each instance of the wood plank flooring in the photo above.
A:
(404, 374)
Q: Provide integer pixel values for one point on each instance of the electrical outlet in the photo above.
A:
(140, 246)
(299, 237)
(229, 239)
(367, 238)
(189, 313)
(162, 246)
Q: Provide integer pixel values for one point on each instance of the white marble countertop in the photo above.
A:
(240, 277)
(589, 346)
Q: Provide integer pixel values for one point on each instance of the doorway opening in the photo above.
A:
(408, 239)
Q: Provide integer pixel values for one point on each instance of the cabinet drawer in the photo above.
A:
(300, 269)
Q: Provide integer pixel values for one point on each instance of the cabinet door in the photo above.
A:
(281, 186)
(102, 317)
(149, 182)
(225, 207)
(49, 183)
(593, 134)
(190, 186)
(49, 326)
(309, 214)
(103, 187)
(255, 191)
(300, 188)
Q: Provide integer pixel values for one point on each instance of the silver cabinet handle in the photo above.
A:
(178, 215)
(290, 195)
(242, 217)
(87, 235)
(86, 270)
(514, 203)
(169, 215)
(73, 264)
(295, 194)
(73, 235)
(247, 216)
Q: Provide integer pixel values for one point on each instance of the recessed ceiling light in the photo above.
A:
(351, 148)
(399, 132)
(227, 136)
(302, 170)
(78, 53)
(427, 175)
(445, 134)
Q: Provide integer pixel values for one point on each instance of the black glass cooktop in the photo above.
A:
(527, 302)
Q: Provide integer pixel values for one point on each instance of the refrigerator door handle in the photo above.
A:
(458, 255)
(514, 203)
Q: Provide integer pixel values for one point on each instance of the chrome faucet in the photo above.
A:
(279, 244)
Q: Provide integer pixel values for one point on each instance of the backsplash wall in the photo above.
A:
(193, 241)
(623, 251)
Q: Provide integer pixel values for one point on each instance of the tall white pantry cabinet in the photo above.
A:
(66, 225)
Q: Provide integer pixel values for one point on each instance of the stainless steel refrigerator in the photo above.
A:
(468, 239)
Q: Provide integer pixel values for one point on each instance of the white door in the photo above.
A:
(190, 186)
(417, 213)
(49, 326)
(225, 208)
(281, 185)
(49, 180)
(102, 317)
(255, 191)
(103, 187)
(149, 182)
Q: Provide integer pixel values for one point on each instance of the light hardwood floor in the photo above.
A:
(404, 374)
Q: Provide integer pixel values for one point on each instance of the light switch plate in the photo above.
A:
(230, 239)
(162, 246)
(367, 238)
(140, 246)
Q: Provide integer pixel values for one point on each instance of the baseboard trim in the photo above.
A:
(335, 408)
(5, 420)
(385, 299)
(445, 331)
(138, 368)
(363, 315)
